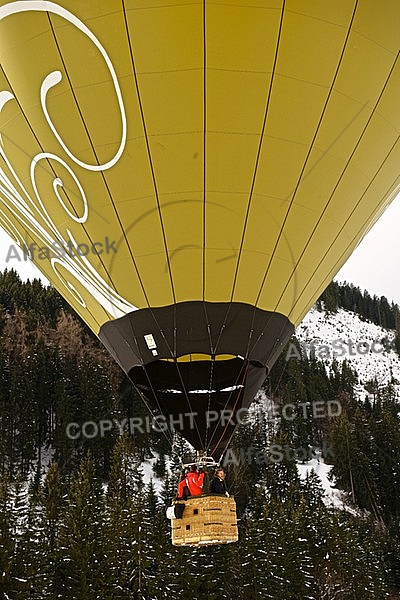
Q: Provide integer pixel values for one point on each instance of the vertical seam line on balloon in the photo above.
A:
(204, 145)
(149, 155)
(204, 203)
(260, 144)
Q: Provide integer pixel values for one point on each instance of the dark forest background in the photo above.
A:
(80, 520)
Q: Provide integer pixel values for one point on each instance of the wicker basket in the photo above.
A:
(206, 520)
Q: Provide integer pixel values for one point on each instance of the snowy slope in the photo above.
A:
(368, 348)
(332, 496)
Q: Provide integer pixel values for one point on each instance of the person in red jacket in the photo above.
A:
(183, 489)
(194, 481)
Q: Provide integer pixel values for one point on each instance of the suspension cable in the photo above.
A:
(233, 410)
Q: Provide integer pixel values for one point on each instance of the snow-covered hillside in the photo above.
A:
(368, 348)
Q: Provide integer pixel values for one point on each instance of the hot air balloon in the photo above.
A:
(191, 175)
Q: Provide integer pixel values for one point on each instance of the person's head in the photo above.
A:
(193, 468)
(220, 473)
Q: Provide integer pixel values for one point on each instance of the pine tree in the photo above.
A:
(384, 455)
(282, 474)
(24, 555)
(32, 556)
(81, 536)
(354, 569)
(7, 540)
(156, 540)
(256, 560)
(124, 515)
(51, 500)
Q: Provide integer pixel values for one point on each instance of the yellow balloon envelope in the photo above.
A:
(191, 174)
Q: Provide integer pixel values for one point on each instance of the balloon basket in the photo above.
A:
(206, 520)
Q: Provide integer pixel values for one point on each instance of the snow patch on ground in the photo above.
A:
(147, 467)
(332, 496)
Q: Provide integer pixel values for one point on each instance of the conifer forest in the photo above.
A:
(83, 517)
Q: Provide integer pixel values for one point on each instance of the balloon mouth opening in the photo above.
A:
(200, 392)
(187, 375)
